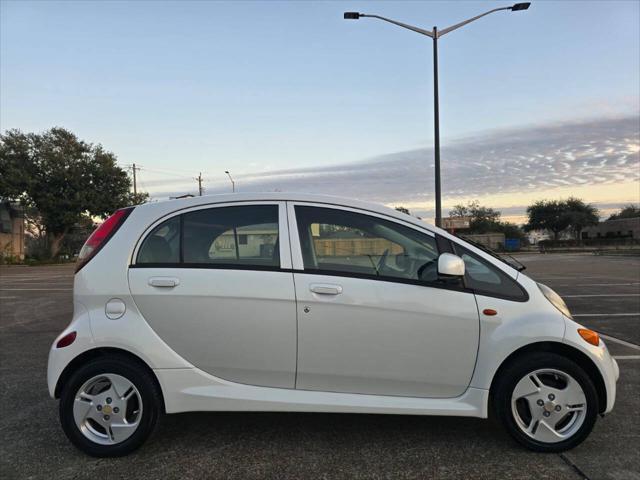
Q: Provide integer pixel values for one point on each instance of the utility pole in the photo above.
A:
(135, 185)
(199, 183)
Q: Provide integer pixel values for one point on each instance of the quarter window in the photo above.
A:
(162, 245)
(341, 241)
(486, 279)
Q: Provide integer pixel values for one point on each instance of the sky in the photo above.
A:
(289, 96)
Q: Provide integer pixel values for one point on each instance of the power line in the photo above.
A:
(169, 172)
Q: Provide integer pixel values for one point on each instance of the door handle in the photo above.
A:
(325, 288)
(168, 282)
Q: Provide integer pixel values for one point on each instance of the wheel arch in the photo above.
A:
(99, 352)
(561, 349)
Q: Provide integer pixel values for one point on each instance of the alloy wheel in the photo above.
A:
(548, 405)
(107, 409)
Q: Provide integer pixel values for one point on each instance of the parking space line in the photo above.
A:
(32, 277)
(606, 314)
(621, 342)
(627, 357)
(604, 295)
(598, 284)
(34, 289)
(599, 277)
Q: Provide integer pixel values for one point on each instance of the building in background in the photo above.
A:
(494, 241)
(535, 236)
(618, 228)
(12, 231)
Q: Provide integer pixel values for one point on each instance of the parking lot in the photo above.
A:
(603, 292)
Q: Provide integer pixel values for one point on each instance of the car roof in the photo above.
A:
(164, 207)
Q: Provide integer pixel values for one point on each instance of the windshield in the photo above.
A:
(504, 258)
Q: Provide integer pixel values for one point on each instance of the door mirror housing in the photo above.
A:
(450, 265)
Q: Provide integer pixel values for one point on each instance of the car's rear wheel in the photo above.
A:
(109, 407)
(546, 402)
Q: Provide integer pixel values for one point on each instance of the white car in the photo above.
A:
(306, 303)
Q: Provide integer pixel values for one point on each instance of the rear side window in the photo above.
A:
(162, 245)
(246, 235)
(232, 235)
(486, 279)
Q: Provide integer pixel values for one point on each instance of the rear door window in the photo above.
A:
(233, 236)
(245, 235)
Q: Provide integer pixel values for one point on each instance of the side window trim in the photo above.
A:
(407, 281)
(444, 245)
(283, 239)
(181, 257)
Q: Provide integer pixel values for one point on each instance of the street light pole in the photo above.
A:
(233, 184)
(436, 130)
(435, 34)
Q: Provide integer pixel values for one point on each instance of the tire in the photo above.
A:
(113, 385)
(558, 387)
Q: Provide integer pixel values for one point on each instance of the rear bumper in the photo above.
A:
(59, 358)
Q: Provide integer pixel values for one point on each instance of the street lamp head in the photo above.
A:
(226, 171)
(520, 6)
(351, 15)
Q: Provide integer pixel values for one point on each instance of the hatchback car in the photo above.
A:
(304, 303)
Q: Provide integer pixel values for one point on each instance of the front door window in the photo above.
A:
(345, 242)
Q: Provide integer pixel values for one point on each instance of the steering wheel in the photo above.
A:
(382, 260)
(430, 264)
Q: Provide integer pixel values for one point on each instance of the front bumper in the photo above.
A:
(600, 356)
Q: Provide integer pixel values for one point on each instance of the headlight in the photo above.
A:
(555, 299)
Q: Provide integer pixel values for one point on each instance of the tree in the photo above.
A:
(66, 180)
(547, 215)
(486, 220)
(580, 215)
(511, 230)
(403, 210)
(15, 152)
(628, 211)
(482, 219)
(556, 216)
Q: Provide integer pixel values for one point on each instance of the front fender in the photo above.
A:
(516, 325)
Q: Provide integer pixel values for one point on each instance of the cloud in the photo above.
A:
(605, 151)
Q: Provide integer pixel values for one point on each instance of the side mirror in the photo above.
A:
(450, 265)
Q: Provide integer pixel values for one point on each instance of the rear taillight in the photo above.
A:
(101, 236)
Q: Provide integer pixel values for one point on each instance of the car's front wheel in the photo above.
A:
(109, 407)
(547, 402)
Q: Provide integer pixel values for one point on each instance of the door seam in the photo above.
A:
(295, 294)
